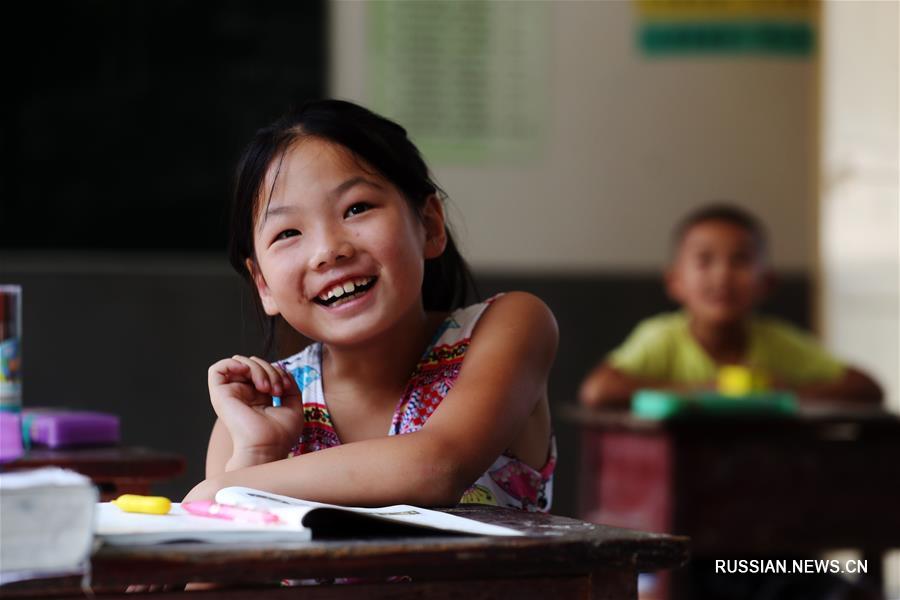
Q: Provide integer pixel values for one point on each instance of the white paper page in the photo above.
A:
(117, 527)
(283, 506)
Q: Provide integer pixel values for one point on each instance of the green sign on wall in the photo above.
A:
(727, 27)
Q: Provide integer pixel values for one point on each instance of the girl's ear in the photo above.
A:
(265, 295)
(435, 227)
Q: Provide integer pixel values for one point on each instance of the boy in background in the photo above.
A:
(719, 274)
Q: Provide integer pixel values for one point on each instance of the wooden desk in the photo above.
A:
(114, 469)
(559, 558)
(746, 487)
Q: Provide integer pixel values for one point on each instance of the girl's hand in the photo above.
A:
(241, 390)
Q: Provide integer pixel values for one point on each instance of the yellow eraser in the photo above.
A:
(151, 505)
(735, 380)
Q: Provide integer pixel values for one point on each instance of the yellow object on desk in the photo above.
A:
(736, 380)
(151, 505)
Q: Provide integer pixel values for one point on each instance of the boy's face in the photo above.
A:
(719, 273)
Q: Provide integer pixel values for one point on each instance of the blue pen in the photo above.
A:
(276, 400)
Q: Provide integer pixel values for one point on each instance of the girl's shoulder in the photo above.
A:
(519, 302)
(495, 313)
(461, 322)
(515, 309)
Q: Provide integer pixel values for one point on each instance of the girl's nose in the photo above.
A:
(330, 250)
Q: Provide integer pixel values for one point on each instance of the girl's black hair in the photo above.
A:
(380, 143)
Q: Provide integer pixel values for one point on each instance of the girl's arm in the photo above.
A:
(219, 450)
(503, 379)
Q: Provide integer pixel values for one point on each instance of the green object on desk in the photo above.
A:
(659, 404)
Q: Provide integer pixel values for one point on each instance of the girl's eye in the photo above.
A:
(287, 233)
(358, 208)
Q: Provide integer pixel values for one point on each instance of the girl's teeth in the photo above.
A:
(348, 287)
(342, 301)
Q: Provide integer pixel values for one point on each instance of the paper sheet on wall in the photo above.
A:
(468, 80)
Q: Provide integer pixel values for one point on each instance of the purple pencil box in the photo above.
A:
(56, 428)
(10, 436)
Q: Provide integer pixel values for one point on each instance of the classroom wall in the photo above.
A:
(860, 196)
(859, 218)
(631, 144)
(628, 144)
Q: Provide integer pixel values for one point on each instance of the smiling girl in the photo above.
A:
(406, 395)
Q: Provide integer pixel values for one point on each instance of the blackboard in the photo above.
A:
(123, 120)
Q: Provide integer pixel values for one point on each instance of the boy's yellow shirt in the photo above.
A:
(662, 348)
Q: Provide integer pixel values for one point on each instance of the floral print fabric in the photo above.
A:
(508, 482)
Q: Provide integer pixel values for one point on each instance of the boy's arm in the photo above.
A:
(853, 386)
(814, 374)
(607, 386)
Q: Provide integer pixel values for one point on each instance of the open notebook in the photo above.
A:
(300, 520)
(115, 527)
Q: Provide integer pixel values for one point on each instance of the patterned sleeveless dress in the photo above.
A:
(508, 482)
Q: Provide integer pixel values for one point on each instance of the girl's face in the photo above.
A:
(719, 274)
(339, 251)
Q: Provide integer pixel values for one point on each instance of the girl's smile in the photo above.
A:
(347, 299)
(343, 291)
(339, 251)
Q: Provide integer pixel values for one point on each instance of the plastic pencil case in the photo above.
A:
(10, 435)
(60, 428)
(657, 404)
